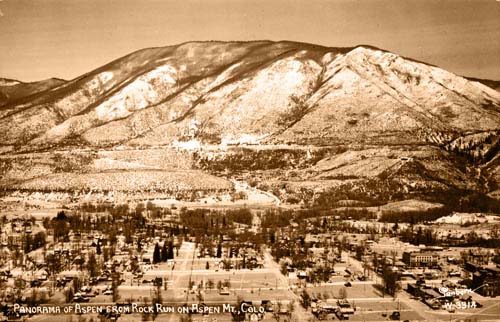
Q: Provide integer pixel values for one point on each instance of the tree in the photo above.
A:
(284, 268)
(77, 283)
(219, 250)
(68, 294)
(134, 265)
(306, 299)
(390, 278)
(366, 268)
(115, 281)
(291, 307)
(139, 208)
(272, 237)
(156, 254)
(98, 247)
(105, 254)
(164, 252)
(19, 286)
(157, 299)
(35, 298)
(495, 231)
(343, 293)
(238, 315)
(299, 108)
(360, 251)
(61, 216)
(375, 261)
(54, 264)
(92, 265)
(61, 228)
(171, 250)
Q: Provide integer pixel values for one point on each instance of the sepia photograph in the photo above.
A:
(249, 160)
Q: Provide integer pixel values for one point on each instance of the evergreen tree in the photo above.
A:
(170, 250)
(219, 250)
(98, 247)
(92, 265)
(165, 254)
(156, 254)
(272, 237)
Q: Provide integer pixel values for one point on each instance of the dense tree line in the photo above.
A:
(273, 218)
(118, 219)
(414, 217)
(209, 221)
(164, 253)
(242, 216)
(379, 191)
(427, 236)
(36, 241)
(246, 159)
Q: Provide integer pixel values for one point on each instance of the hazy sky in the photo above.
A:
(66, 38)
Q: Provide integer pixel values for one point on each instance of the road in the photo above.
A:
(299, 312)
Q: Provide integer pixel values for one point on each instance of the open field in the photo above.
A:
(356, 291)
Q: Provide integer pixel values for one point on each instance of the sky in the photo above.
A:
(40, 39)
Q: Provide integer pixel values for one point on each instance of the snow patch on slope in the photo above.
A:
(8, 82)
(146, 90)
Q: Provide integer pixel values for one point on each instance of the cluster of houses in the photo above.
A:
(438, 297)
(341, 308)
(231, 254)
(485, 278)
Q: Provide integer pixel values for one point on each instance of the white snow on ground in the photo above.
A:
(255, 195)
(105, 76)
(243, 139)
(187, 145)
(462, 218)
(138, 94)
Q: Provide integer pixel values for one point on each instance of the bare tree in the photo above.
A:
(342, 293)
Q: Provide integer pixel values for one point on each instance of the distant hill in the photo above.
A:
(488, 82)
(13, 91)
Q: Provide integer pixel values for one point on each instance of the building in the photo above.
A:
(486, 281)
(421, 259)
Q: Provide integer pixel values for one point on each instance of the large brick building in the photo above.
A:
(421, 259)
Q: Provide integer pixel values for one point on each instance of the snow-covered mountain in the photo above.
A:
(265, 91)
(338, 124)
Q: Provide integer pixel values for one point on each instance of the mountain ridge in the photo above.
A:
(82, 97)
(15, 92)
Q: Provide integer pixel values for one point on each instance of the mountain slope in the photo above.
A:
(13, 92)
(272, 91)
(494, 84)
(318, 124)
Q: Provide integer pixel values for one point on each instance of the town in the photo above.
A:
(142, 261)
